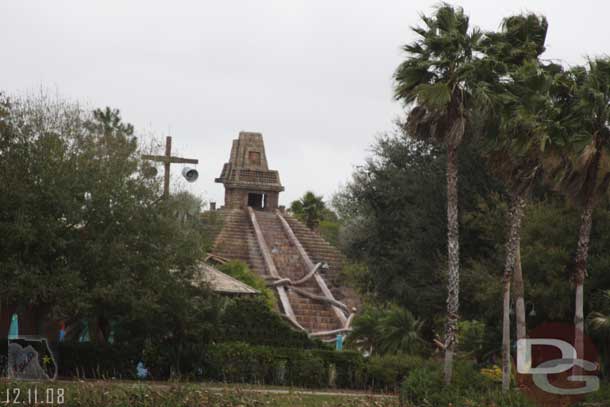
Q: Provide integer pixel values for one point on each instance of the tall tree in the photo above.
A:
(583, 170)
(439, 82)
(393, 216)
(521, 103)
(310, 208)
(85, 235)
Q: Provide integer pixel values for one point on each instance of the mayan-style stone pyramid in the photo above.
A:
(297, 262)
(247, 178)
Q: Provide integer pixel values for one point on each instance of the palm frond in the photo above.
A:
(599, 322)
(583, 134)
(436, 96)
(438, 78)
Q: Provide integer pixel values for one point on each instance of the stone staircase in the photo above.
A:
(312, 315)
(237, 241)
(320, 251)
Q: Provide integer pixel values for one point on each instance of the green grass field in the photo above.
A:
(115, 394)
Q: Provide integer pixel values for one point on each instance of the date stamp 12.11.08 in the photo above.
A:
(33, 396)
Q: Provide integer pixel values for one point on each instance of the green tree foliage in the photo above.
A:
(394, 226)
(356, 274)
(240, 271)
(598, 323)
(387, 330)
(211, 226)
(38, 209)
(85, 233)
(251, 320)
(310, 209)
(471, 339)
(313, 211)
(330, 230)
(172, 326)
(581, 171)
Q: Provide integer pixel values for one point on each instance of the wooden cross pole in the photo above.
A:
(167, 160)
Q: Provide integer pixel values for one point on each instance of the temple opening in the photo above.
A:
(256, 201)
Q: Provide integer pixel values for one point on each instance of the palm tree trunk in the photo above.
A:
(519, 295)
(512, 242)
(453, 251)
(582, 253)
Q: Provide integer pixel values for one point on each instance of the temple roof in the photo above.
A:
(247, 166)
(221, 282)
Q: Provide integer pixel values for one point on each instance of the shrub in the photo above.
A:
(244, 363)
(307, 370)
(471, 338)
(388, 328)
(238, 363)
(89, 360)
(424, 387)
(421, 386)
(349, 367)
(467, 376)
(388, 371)
(494, 373)
(600, 396)
(330, 231)
(240, 271)
(250, 320)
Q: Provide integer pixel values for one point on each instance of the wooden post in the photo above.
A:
(167, 161)
(166, 164)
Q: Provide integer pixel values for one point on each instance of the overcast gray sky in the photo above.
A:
(315, 77)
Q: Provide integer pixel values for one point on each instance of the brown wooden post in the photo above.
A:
(168, 154)
(167, 161)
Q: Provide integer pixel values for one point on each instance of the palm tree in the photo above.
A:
(400, 331)
(310, 208)
(439, 82)
(521, 102)
(583, 171)
(392, 329)
(519, 290)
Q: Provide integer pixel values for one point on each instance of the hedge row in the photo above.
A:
(243, 363)
(86, 360)
(237, 362)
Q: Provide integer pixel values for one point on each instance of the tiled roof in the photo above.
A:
(221, 282)
(248, 177)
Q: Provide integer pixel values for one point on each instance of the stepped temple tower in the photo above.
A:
(298, 264)
(247, 178)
